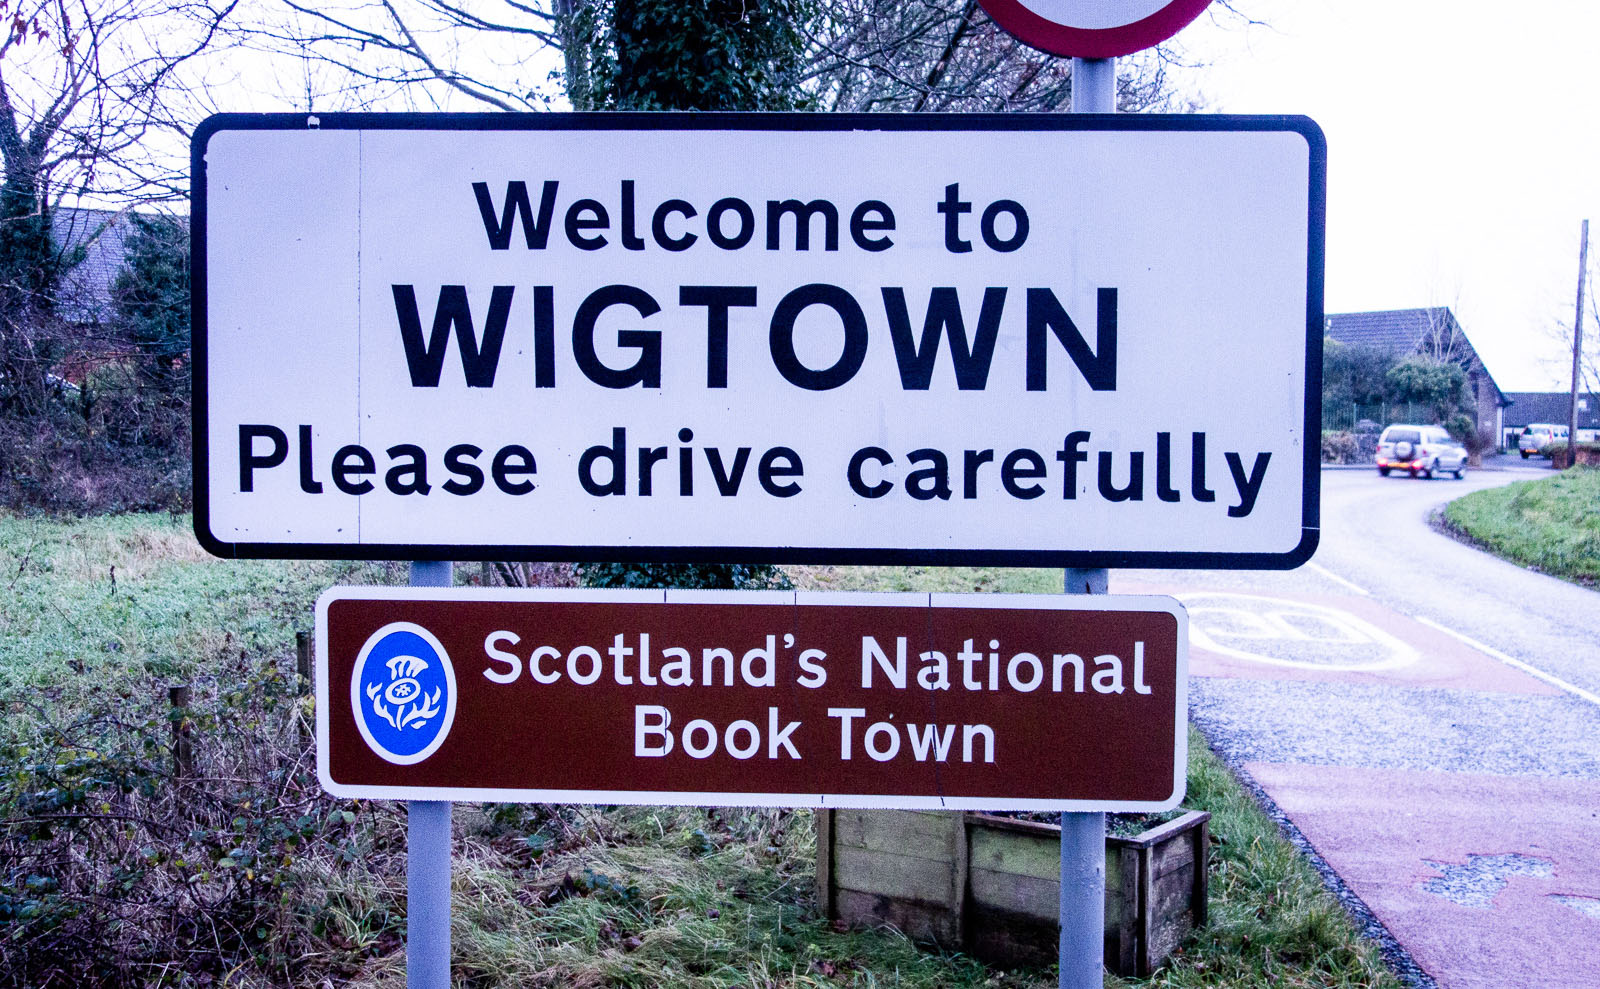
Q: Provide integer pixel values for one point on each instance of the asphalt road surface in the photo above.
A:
(1426, 720)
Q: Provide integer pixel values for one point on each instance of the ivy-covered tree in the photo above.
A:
(670, 55)
(152, 299)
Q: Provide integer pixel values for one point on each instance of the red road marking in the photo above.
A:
(1379, 828)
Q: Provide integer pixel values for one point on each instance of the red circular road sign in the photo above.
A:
(1093, 28)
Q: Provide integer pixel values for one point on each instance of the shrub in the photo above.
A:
(1479, 442)
(708, 576)
(1428, 381)
(58, 464)
(117, 870)
(1339, 447)
(1463, 429)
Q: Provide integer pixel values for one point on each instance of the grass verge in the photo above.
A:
(117, 594)
(1551, 525)
(115, 871)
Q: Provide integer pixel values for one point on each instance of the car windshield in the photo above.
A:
(1404, 436)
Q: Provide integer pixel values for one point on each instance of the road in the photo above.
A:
(1426, 720)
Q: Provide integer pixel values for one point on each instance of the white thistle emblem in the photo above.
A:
(404, 694)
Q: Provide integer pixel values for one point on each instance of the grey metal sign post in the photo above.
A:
(1081, 950)
(428, 859)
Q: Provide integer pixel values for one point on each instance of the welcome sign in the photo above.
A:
(1043, 340)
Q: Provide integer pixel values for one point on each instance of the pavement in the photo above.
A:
(1425, 721)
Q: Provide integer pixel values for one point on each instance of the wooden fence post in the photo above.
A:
(182, 737)
(302, 662)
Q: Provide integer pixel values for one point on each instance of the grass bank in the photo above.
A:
(1551, 525)
(115, 871)
(133, 593)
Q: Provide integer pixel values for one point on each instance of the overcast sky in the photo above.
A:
(1463, 154)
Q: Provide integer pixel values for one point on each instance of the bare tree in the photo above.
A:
(861, 55)
(1444, 340)
(88, 90)
(948, 55)
(1589, 359)
(413, 54)
(1558, 333)
(88, 86)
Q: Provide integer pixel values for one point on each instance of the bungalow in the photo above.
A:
(1553, 407)
(1435, 331)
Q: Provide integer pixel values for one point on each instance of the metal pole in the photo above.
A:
(1094, 85)
(1081, 950)
(1577, 349)
(428, 859)
(1081, 954)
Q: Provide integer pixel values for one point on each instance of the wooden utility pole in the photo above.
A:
(1577, 348)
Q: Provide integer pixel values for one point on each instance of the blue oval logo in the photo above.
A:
(403, 692)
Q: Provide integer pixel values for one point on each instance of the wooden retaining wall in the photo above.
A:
(991, 886)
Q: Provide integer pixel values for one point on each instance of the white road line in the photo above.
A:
(1319, 568)
(1554, 681)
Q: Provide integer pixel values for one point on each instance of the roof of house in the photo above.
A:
(1399, 331)
(1552, 406)
(84, 294)
(1405, 331)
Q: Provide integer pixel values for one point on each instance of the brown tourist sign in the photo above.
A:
(752, 698)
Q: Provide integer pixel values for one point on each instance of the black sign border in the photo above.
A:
(819, 122)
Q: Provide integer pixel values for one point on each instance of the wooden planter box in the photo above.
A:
(990, 886)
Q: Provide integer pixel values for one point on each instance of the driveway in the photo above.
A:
(1426, 719)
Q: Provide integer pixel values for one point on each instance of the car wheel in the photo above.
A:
(1461, 470)
(1524, 454)
(1383, 472)
(1427, 472)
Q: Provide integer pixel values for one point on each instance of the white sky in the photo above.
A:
(1463, 154)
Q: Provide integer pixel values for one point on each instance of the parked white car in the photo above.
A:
(1538, 435)
(1421, 450)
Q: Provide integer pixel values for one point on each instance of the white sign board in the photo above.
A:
(788, 338)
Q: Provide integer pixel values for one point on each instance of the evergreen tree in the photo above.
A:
(30, 268)
(1353, 374)
(152, 299)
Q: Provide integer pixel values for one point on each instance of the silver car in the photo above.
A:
(1536, 436)
(1421, 450)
